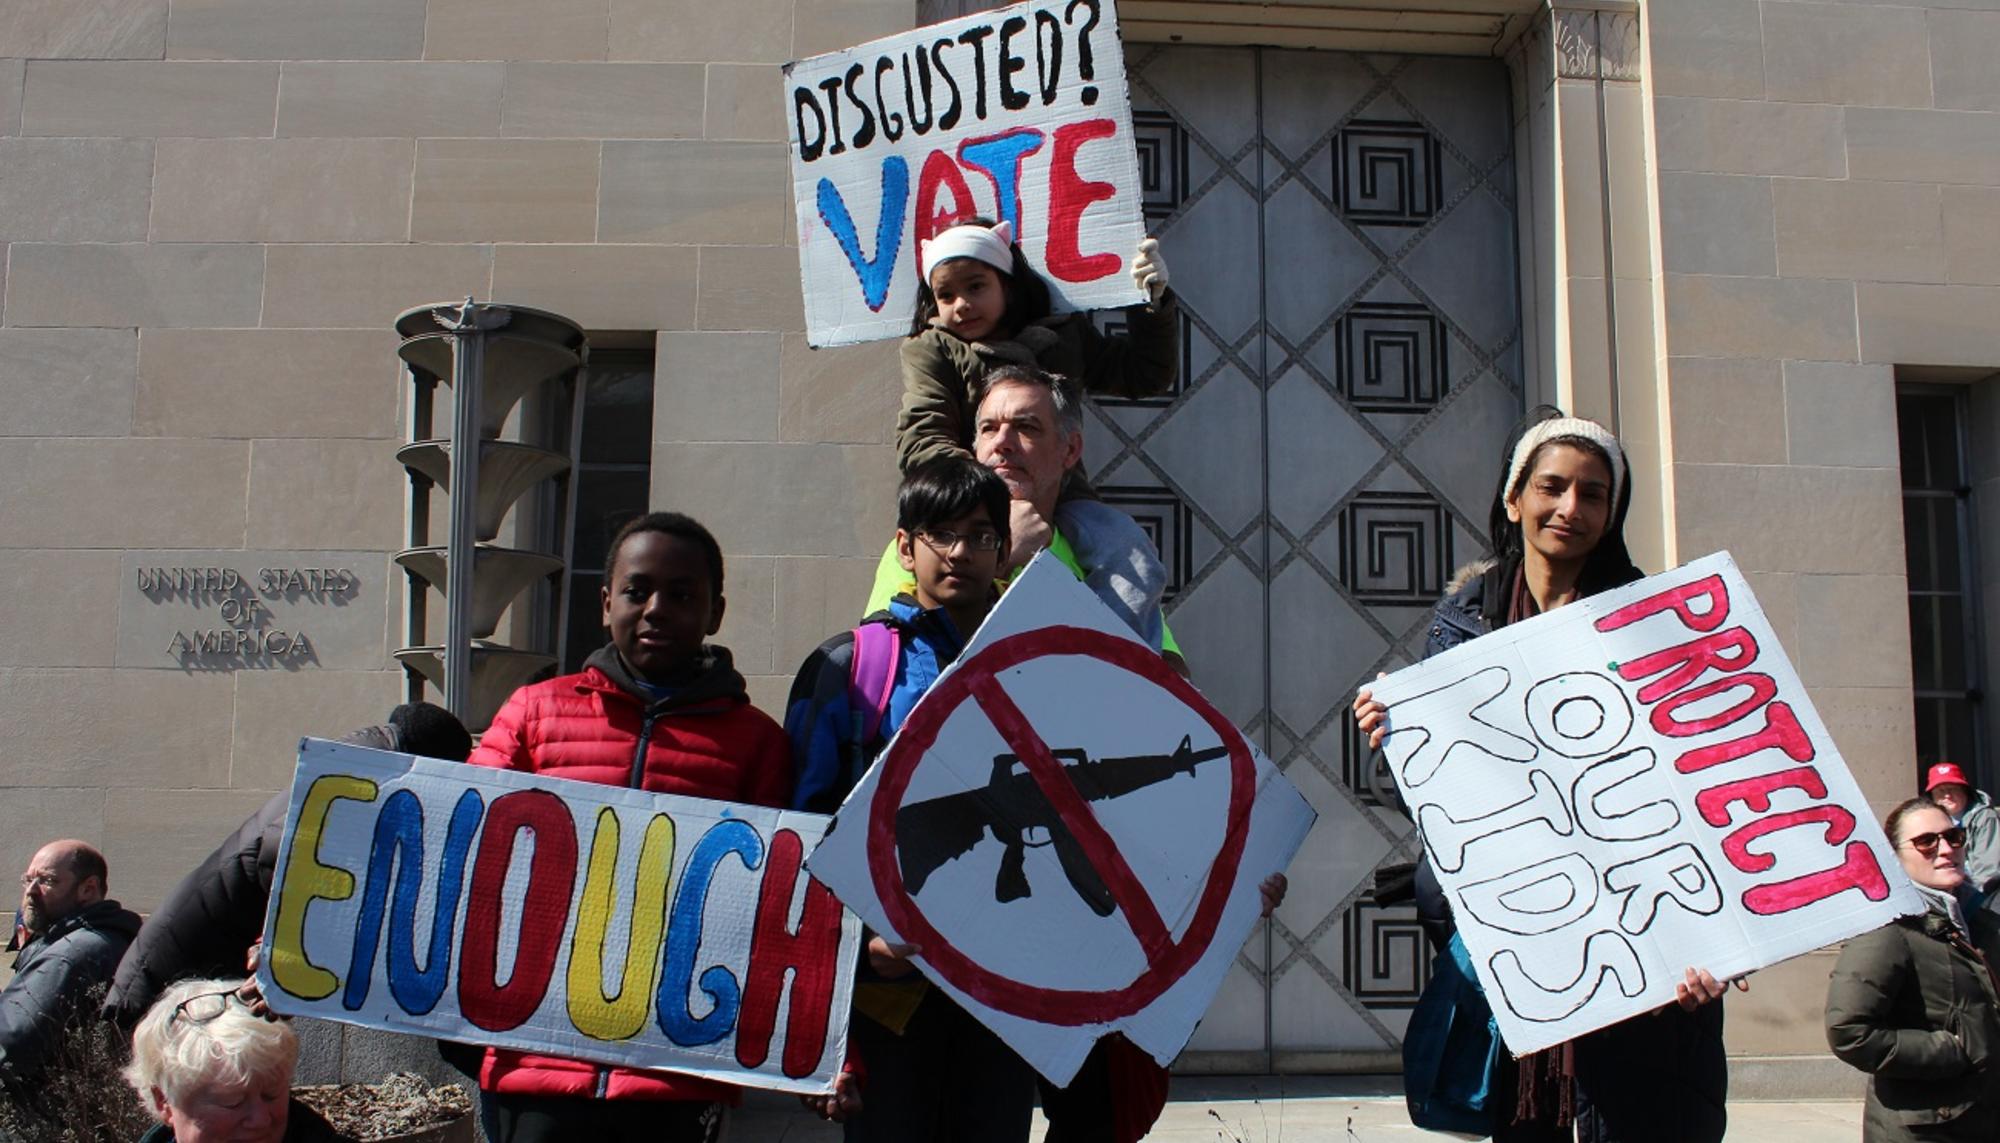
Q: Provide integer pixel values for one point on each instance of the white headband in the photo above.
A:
(993, 247)
(1558, 427)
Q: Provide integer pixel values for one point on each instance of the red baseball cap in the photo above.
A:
(1946, 773)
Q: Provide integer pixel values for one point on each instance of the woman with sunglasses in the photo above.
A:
(1914, 1003)
(212, 1072)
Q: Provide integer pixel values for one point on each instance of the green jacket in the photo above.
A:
(941, 373)
(1915, 1005)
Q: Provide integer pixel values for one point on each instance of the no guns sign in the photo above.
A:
(907, 840)
(1068, 831)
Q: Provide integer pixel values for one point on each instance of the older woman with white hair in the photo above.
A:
(211, 1071)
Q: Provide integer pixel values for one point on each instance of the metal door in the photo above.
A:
(1341, 233)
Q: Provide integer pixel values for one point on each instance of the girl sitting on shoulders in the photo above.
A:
(980, 305)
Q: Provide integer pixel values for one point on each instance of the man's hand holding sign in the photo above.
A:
(1654, 791)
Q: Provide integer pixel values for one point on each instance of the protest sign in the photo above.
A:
(1625, 788)
(1019, 115)
(557, 917)
(1068, 830)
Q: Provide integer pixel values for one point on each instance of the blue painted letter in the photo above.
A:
(399, 843)
(874, 275)
(676, 1018)
(998, 157)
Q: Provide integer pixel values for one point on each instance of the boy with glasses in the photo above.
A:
(930, 1070)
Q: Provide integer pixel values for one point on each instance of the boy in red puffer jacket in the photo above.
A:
(661, 709)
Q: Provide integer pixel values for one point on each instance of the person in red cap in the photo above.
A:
(1947, 785)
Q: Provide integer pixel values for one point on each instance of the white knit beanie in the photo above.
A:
(992, 246)
(1557, 428)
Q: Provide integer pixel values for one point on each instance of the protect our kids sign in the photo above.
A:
(558, 917)
(1628, 787)
(1071, 835)
(1019, 114)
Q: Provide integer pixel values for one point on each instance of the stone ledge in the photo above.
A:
(1790, 1079)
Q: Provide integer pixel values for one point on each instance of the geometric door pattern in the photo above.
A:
(1341, 233)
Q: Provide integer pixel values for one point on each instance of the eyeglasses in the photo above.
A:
(43, 881)
(942, 540)
(203, 1007)
(1927, 843)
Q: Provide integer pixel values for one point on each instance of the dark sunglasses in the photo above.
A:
(1927, 843)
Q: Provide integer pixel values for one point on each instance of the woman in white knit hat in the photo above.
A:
(1557, 528)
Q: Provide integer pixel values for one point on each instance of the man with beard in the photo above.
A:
(74, 937)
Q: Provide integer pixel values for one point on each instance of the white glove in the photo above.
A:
(1149, 269)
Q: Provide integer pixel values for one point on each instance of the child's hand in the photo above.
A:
(1030, 532)
(840, 1104)
(891, 961)
(1149, 269)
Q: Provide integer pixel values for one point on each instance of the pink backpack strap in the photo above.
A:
(878, 647)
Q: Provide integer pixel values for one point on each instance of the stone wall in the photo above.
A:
(211, 210)
(1829, 208)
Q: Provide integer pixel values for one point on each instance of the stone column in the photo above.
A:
(1588, 258)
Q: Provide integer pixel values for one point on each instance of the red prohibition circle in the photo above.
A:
(1167, 959)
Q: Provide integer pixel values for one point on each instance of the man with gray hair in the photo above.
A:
(1028, 428)
(75, 936)
(1029, 431)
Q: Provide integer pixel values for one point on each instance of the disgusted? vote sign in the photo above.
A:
(1018, 115)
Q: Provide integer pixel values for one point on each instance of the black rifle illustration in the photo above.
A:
(1010, 805)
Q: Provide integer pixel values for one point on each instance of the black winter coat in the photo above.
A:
(206, 926)
(1658, 1078)
(52, 973)
(302, 1125)
(1914, 1005)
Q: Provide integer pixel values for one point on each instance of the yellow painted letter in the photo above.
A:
(619, 1015)
(306, 880)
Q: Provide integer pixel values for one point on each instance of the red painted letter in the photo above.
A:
(1069, 194)
(1859, 870)
(1736, 847)
(1677, 599)
(1781, 730)
(1713, 803)
(939, 176)
(1762, 689)
(544, 914)
(1686, 662)
(810, 952)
